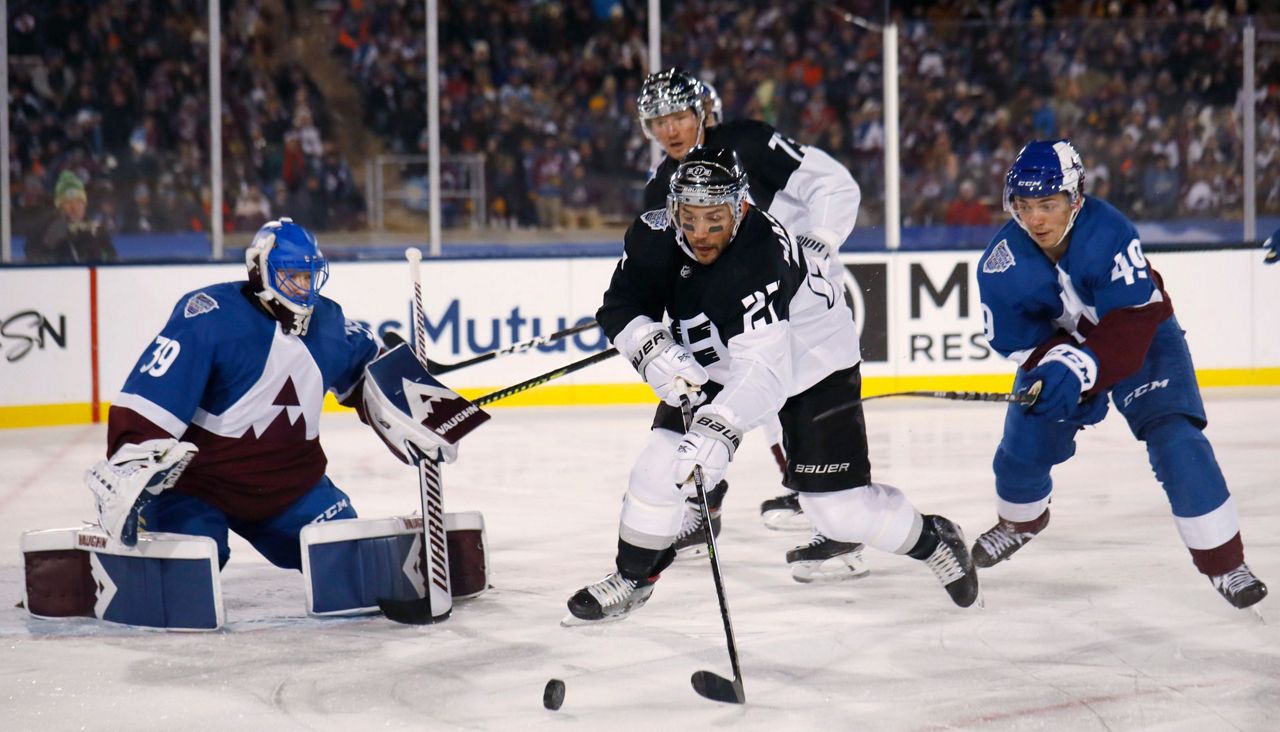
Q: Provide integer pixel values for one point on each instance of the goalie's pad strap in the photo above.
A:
(166, 581)
(348, 565)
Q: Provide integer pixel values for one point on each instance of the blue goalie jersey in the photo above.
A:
(1102, 294)
(223, 375)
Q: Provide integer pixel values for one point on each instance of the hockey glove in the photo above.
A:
(710, 443)
(1065, 373)
(1272, 245)
(127, 481)
(662, 361)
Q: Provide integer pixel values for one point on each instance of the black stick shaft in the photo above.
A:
(544, 378)
(686, 411)
(444, 368)
(1026, 397)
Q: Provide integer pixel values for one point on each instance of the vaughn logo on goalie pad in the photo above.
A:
(407, 386)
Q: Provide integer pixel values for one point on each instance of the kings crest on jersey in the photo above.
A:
(756, 304)
(257, 423)
(1026, 298)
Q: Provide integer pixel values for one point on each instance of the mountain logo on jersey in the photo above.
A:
(199, 304)
(656, 219)
(1000, 259)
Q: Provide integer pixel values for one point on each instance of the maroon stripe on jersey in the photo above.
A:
(127, 427)
(1220, 559)
(253, 478)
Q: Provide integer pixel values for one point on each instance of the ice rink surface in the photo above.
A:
(1101, 623)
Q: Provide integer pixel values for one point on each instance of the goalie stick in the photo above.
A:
(711, 685)
(437, 603)
(1026, 398)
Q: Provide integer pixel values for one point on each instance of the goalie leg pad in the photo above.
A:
(165, 581)
(348, 565)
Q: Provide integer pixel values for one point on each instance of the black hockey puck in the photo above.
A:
(553, 695)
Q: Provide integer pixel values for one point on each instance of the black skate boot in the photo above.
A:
(1240, 587)
(691, 542)
(784, 513)
(826, 560)
(951, 562)
(1000, 541)
(612, 598)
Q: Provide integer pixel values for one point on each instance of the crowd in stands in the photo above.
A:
(1146, 90)
(116, 92)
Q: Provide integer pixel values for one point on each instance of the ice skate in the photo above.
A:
(612, 598)
(826, 560)
(1240, 587)
(691, 542)
(784, 513)
(951, 562)
(1000, 541)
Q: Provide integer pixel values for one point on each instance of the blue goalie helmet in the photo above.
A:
(287, 272)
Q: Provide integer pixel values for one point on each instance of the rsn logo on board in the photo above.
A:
(28, 329)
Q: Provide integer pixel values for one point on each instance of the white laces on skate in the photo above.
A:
(945, 564)
(1002, 538)
(1235, 581)
(612, 590)
(689, 523)
(817, 539)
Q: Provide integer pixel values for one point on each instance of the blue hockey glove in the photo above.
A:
(1272, 245)
(1064, 374)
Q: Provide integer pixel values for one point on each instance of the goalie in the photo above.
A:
(217, 426)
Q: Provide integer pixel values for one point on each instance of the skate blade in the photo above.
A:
(835, 569)
(1257, 613)
(786, 521)
(572, 621)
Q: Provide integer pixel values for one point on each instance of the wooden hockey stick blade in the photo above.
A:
(411, 612)
(717, 688)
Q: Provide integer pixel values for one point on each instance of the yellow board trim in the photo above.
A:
(581, 395)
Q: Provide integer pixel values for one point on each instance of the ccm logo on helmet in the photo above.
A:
(821, 469)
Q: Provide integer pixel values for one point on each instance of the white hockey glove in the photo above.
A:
(398, 430)
(710, 443)
(661, 361)
(127, 481)
(819, 243)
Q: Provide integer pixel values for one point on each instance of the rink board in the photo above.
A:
(70, 335)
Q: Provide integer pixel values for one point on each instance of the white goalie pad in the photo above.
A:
(167, 581)
(349, 565)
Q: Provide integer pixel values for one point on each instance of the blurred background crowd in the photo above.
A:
(539, 96)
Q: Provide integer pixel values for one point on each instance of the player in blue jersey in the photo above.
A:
(217, 426)
(1272, 245)
(1068, 294)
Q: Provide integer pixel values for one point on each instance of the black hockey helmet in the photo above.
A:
(667, 92)
(708, 176)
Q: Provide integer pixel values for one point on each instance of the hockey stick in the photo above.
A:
(544, 378)
(712, 685)
(1026, 398)
(437, 602)
(444, 368)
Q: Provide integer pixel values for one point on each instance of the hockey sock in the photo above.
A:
(640, 564)
(927, 542)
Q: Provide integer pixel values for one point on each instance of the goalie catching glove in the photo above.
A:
(662, 362)
(127, 481)
(712, 439)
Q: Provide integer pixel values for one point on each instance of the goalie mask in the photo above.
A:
(707, 177)
(668, 92)
(1044, 168)
(286, 272)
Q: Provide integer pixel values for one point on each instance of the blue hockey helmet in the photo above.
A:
(1045, 168)
(287, 271)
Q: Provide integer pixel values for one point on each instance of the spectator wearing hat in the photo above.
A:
(68, 236)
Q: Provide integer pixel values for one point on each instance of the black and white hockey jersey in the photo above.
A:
(799, 185)
(762, 322)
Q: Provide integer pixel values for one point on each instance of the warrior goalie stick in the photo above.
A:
(1026, 398)
(437, 603)
(712, 685)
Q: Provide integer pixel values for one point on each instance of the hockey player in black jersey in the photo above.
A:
(757, 332)
(815, 198)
